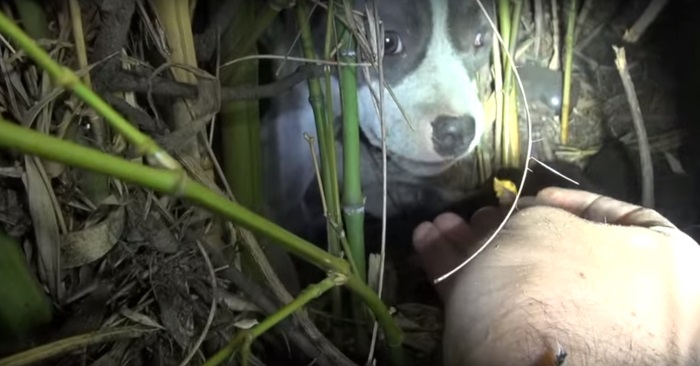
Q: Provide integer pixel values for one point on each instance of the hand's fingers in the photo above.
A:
(435, 252)
(594, 207)
(455, 231)
(485, 220)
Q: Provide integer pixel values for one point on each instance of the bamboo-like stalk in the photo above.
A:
(504, 27)
(322, 106)
(65, 78)
(74, 343)
(353, 201)
(79, 39)
(568, 61)
(95, 186)
(172, 180)
(176, 182)
(513, 126)
(245, 338)
(508, 24)
(240, 120)
(499, 150)
(174, 15)
(323, 117)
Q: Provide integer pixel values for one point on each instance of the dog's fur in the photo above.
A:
(432, 73)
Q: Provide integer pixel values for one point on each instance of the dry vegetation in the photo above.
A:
(152, 266)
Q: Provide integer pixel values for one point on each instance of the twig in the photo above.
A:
(131, 82)
(539, 24)
(583, 43)
(377, 30)
(115, 18)
(633, 34)
(78, 342)
(299, 327)
(297, 59)
(212, 308)
(554, 62)
(586, 8)
(208, 40)
(553, 170)
(246, 338)
(642, 140)
(568, 65)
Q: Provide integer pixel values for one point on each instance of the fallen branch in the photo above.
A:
(133, 82)
(652, 11)
(642, 140)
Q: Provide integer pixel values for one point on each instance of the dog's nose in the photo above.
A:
(452, 135)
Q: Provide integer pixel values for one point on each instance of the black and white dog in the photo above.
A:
(432, 52)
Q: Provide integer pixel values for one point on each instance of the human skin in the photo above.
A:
(576, 275)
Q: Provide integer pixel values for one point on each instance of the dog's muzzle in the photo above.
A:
(452, 136)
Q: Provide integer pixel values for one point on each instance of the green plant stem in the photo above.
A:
(323, 117)
(353, 201)
(79, 38)
(504, 22)
(63, 77)
(514, 131)
(240, 120)
(246, 338)
(79, 342)
(95, 186)
(176, 182)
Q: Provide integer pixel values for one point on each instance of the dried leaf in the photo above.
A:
(46, 231)
(246, 323)
(79, 248)
(140, 318)
(236, 303)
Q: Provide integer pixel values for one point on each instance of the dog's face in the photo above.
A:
(433, 49)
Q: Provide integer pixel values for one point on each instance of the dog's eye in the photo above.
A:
(392, 43)
(479, 40)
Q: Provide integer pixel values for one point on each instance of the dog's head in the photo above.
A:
(432, 51)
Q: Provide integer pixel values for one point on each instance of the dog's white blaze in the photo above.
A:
(441, 85)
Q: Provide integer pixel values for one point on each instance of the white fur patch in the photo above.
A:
(440, 86)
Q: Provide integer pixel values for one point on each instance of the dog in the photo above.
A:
(432, 52)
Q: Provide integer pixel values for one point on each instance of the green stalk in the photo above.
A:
(65, 78)
(240, 120)
(514, 131)
(353, 201)
(509, 116)
(95, 186)
(333, 193)
(176, 182)
(246, 338)
(323, 117)
(74, 343)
